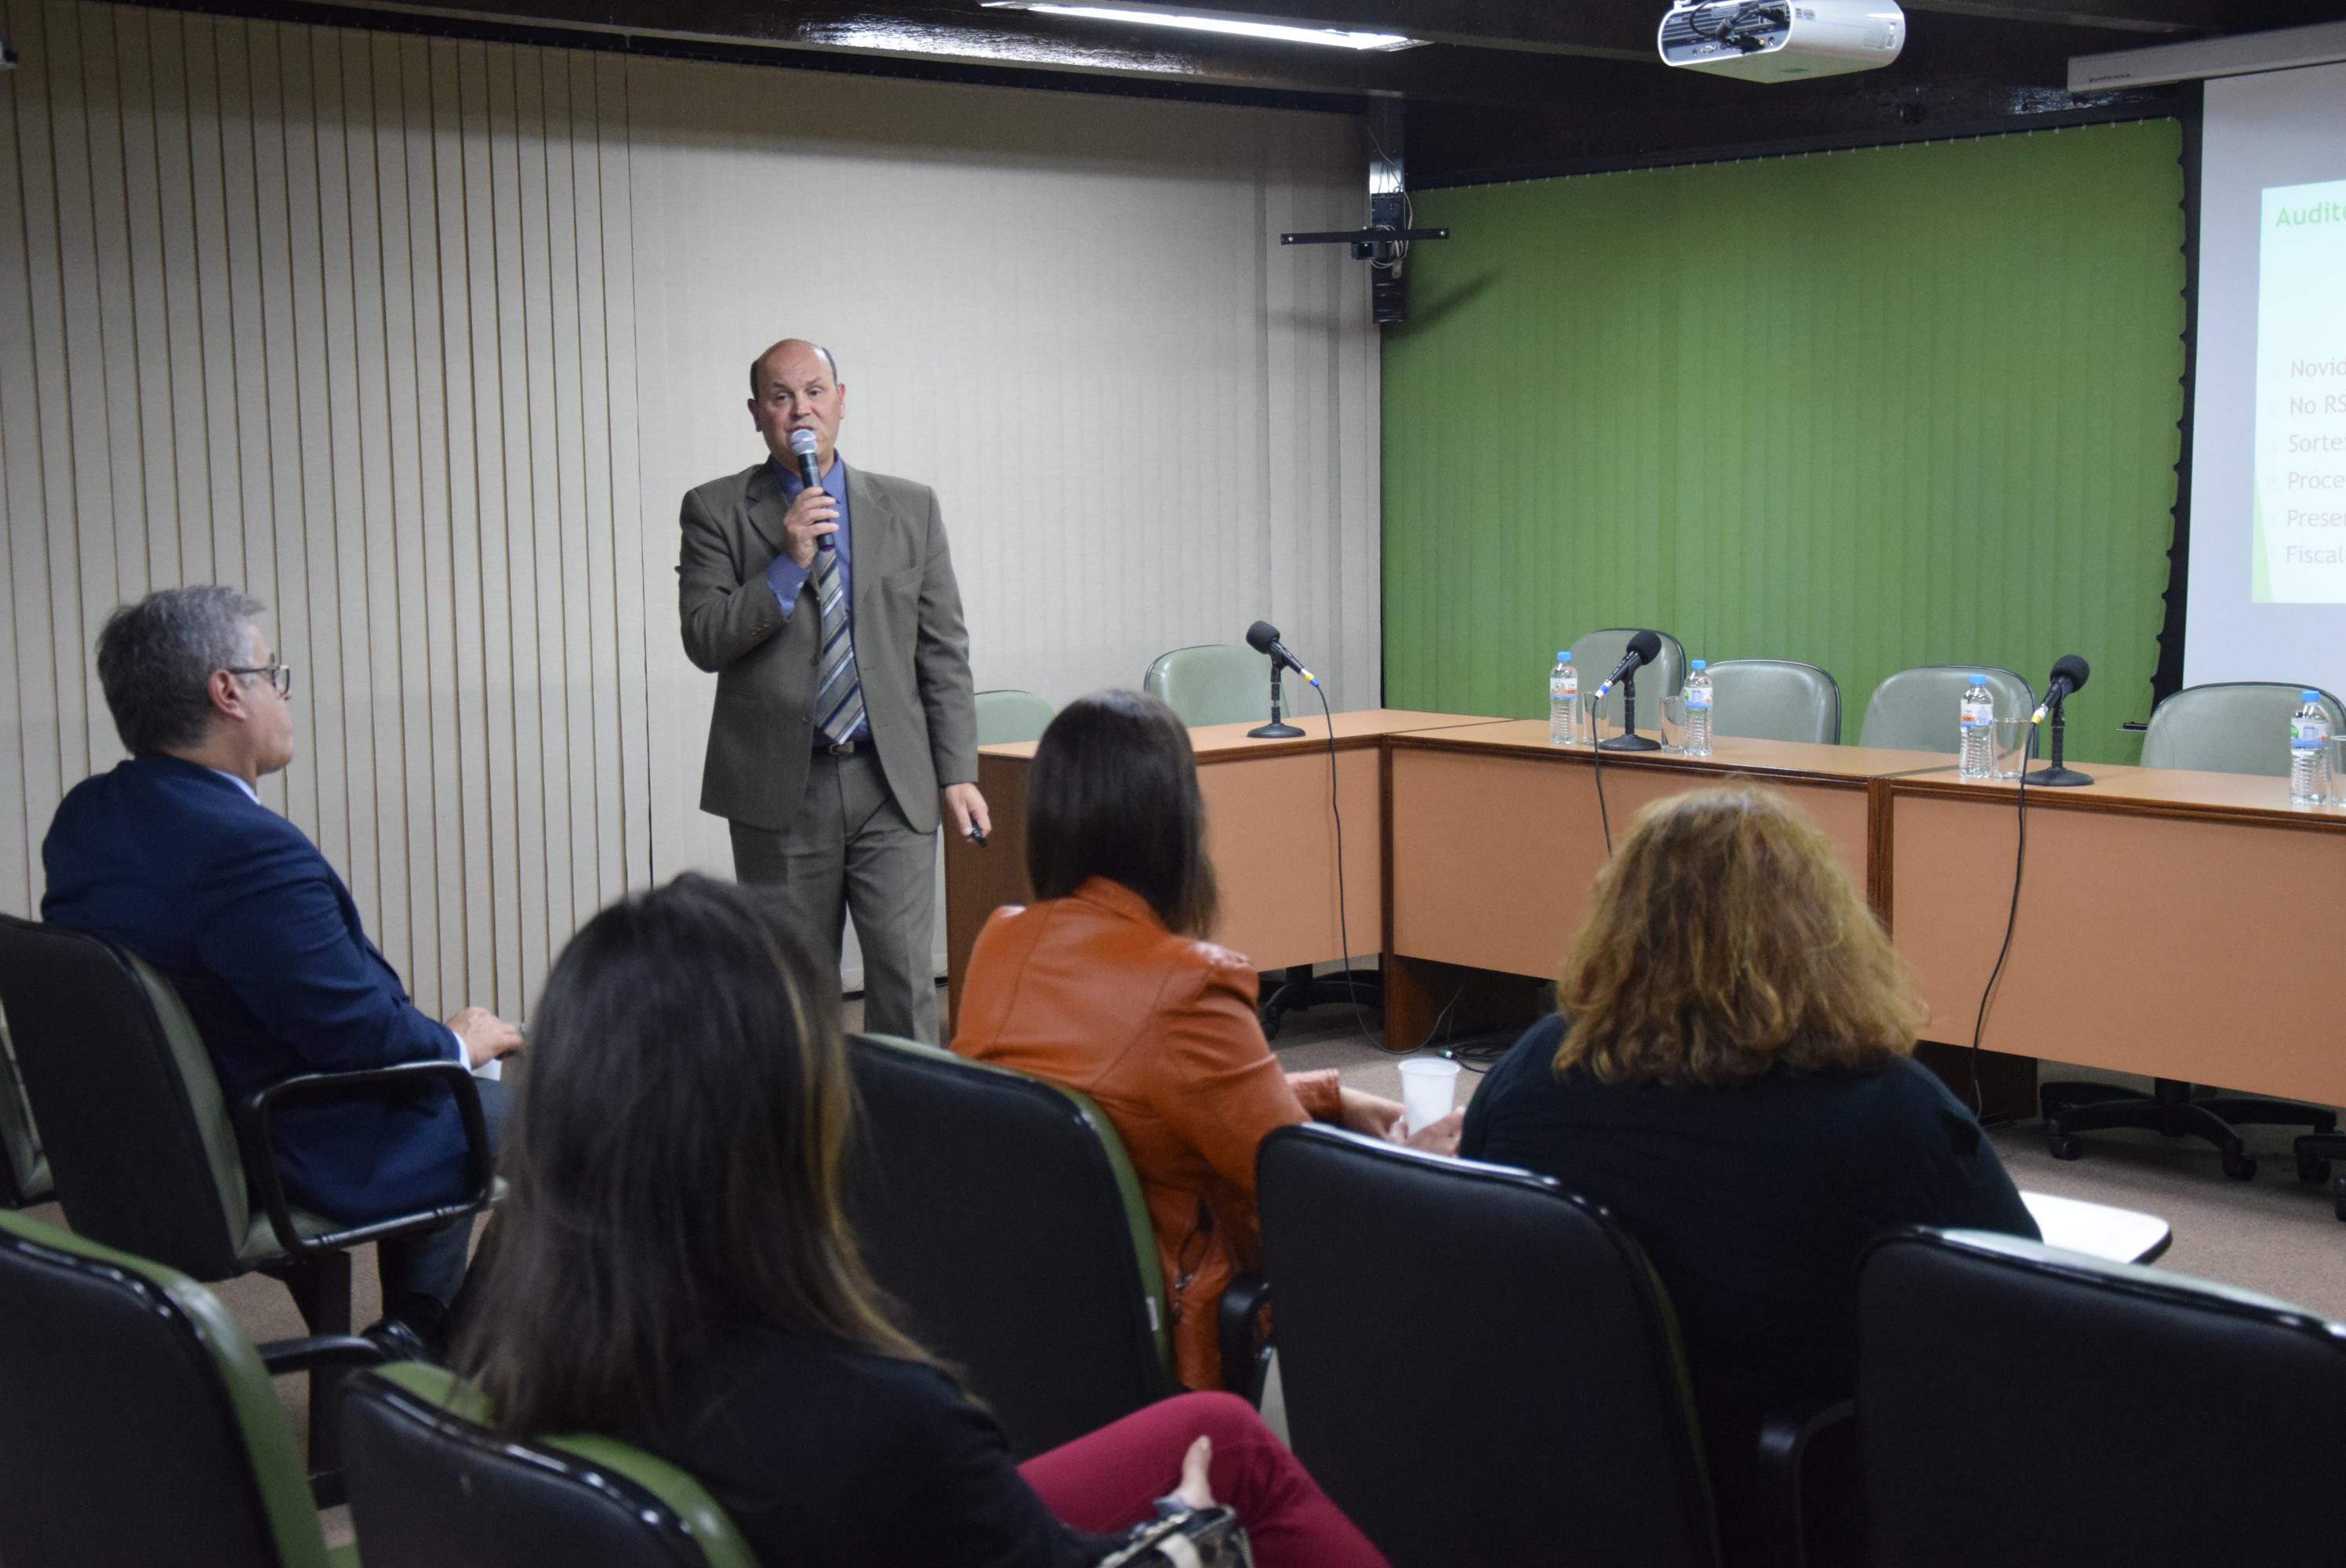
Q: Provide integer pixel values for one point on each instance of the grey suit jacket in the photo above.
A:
(911, 651)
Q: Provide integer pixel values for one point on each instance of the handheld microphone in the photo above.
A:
(802, 445)
(2069, 673)
(1644, 649)
(1263, 637)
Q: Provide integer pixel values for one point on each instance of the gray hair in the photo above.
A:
(155, 657)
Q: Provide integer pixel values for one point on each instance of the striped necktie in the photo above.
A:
(838, 694)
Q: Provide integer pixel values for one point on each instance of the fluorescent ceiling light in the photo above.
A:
(1334, 38)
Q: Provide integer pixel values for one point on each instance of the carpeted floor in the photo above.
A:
(2272, 1234)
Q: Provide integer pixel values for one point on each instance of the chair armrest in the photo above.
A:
(1786, 1439)
(399, 1081)
(1245, 1309)
(319, 1351)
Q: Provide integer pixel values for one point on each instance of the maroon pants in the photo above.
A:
(1105, 1481)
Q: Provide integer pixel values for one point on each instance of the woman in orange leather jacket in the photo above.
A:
(1105, 984)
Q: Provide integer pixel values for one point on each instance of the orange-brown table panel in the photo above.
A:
(1496, 840)
(2180, 924)
(1270, 834)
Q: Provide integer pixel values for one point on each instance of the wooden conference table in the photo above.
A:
(2172, 923)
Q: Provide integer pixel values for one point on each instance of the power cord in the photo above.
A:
(2011, 920)
(1343, 924)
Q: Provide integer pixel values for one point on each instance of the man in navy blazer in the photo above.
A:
(172, 855)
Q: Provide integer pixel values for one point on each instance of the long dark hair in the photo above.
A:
(672, 1165)
(1114, 793)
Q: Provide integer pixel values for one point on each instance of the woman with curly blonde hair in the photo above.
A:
(1730, 1073)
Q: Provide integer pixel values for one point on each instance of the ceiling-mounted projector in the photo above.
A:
(1782, 40)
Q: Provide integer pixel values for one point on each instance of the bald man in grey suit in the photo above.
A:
(844, 713)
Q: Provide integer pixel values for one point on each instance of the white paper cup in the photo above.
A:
(1429, 1087)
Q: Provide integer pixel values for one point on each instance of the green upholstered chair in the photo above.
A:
(1593, 654)
(149, 1157)
(1001, 1213)
(433, 1486)
(2233, 727)
(1774, 700)
(1916, 709)
(1219, 683)
(1004, 717)
(140, 1425)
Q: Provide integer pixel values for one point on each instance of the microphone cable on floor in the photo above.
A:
(2011, 920)
(1343, 924)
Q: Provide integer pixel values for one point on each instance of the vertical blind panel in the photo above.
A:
(421, 341)
(1869, 409)
(330, 315)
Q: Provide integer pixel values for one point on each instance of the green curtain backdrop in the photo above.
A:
(1871, 410)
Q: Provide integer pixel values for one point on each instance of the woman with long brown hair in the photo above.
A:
(671, 1265)
(1730, 1073)
(1105, 983)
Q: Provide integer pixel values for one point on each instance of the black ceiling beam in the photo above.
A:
(1537, 55)
(1625, 29)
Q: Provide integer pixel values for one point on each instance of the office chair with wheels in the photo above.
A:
(1002, 1213)
(2025, 1406)
(1917, 710)
(1006, 716)
(1217, 683)
(149, 1158)
(2232, 726)
(1775, 699)
(140, 1425)
(433, 1486)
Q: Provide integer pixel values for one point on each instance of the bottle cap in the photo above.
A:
(1979, 680)
(1563, 656)
(2309, 696)
(1701, 664)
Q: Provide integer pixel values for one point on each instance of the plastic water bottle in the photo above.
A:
(1697, 710)
(1563, 701)
(2309, 752)
(1976, 739)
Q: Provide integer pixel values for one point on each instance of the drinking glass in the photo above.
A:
(1674, 718)
(2011, 746)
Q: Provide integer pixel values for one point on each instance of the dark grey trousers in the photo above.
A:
(851, 854)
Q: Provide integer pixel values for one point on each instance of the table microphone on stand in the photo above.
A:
(1644, 649)
(2069, 672)
(1263, 637)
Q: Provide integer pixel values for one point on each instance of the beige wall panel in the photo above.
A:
(1068, 314)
